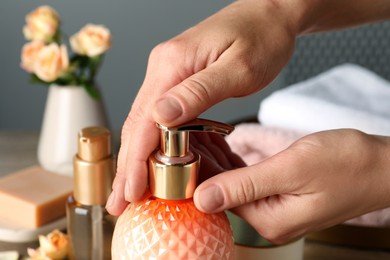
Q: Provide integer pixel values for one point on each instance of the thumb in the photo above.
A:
(197, 93)
(244, 185)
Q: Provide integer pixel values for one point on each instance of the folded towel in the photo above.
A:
(347, 96)
(254, 143)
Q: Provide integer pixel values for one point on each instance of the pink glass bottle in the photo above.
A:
(167, 225)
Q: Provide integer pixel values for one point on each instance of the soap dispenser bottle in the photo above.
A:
(167, 224)
(89, 225)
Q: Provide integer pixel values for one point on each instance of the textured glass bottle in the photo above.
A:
(89, 226)
(167, 225)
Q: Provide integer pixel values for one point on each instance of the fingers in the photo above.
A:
(131, 166)
(139, 133)
(281, 218)
(234, 160)
(214, 150)
(317, 182)
(238, 187)
(237, 60)
(226, 78)
(271, 189)
(194, 97)
(215, 60)
(284, 173)
(116, 202)
(216, 156)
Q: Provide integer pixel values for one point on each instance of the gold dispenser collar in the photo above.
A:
(94, 166)
(173, 171)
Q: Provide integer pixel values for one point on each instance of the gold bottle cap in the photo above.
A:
(94, 166)
(94, 144)
(173, 171)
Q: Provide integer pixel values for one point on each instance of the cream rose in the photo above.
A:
(29, 54)
(52, 61)
(53, 246)
(41, 24)
(91, 40)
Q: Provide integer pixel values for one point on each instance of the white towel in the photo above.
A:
(347, 96)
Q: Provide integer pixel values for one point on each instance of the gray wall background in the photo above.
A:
(136, 26)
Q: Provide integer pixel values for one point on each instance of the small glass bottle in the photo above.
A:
(167, 225)
(89, 226)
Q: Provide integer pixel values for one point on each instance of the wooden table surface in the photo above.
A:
(18, 150)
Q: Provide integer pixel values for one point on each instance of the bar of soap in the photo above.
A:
(9, 255)
(33, 197)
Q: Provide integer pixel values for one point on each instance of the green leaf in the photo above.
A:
(34, 79)
(95, 63)
(92, 91)
(80, 61)
(57, 36)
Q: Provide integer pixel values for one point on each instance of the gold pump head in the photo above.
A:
(173, 170)
(94, 166)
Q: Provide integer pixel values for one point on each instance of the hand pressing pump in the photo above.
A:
(167, 225)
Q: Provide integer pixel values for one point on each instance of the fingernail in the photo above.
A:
(211, 198)
(168, 108)
(110, 200)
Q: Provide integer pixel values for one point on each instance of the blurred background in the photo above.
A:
(137, 26)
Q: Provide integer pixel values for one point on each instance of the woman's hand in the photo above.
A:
(321, 180)
(233, 53)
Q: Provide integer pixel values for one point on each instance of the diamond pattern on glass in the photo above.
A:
(160, 229)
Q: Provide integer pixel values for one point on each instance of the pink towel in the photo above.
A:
(255, 143)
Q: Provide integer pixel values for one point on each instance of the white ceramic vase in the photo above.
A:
(68, 109)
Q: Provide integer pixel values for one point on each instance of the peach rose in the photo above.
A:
(41, 24)
(29, 54)
(91, 40)
(53, 246)
(52, 61)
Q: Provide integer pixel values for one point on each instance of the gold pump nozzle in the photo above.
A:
(94, 166)
(175, 140)
(173, 170)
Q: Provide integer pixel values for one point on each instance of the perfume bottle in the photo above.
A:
(89, 225)
(167, 225)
